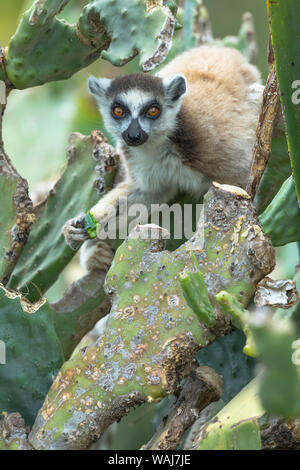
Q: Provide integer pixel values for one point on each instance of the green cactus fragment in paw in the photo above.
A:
(91, 225)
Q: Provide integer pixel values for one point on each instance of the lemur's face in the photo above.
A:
(139, 107)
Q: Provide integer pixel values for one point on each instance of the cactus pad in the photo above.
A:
(33, 354)
(46, 252)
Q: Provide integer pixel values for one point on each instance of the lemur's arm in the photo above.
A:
(74, 230)
(110, 201)
(109, 207)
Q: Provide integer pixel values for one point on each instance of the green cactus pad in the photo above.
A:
(280, 382)
(33, 355)
(132, 28)
(16, 215)
(281, 219)
(46, 252)
(45, 48)
(235, 427)
(284, 19)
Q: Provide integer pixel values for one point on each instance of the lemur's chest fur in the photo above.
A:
(160, 169)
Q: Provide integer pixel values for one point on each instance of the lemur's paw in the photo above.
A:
(74, 232)
(96, 255)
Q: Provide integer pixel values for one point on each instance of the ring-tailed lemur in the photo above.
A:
(191, 124)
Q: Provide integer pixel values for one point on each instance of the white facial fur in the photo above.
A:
(135, 99)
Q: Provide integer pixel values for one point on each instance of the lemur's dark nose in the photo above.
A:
(134, 135)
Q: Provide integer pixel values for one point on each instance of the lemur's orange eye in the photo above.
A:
(118, 111)
(153, 111)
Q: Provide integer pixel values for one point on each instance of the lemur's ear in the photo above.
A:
(175, 87)
(98, 86)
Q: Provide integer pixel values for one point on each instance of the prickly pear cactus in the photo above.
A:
(235, 427)
(242, 423)
(284, 17)
(46, 253)
(16, 215)
(281, 219)
(128, 24)
(147, 359)
(226, 357)
(33, 354)
(46, 48)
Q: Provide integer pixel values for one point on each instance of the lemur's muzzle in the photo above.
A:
(134, 135)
